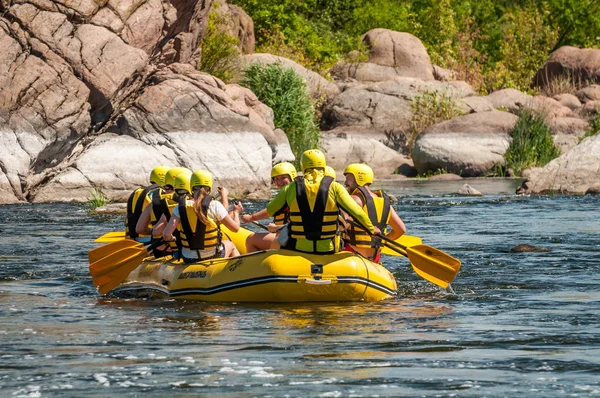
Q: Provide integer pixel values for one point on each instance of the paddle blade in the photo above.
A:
(111, 237)
(106, 250)
(109, 272)
(404, 240)
(433, 265)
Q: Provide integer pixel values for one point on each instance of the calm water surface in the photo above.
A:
(517, 324)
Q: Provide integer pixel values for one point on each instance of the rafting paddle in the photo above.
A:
(428, 262)
(110, 248)
(111, 237)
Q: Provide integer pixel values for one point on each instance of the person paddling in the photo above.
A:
(281, 175)
(376, 204)
(314, 201)
(198, 219)
(139, 199)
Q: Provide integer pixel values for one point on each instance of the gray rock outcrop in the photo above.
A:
(469, 145)
(575, 172)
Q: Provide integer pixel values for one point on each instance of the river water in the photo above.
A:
(517, 324)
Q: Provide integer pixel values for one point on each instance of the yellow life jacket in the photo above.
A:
(319, 226)
(136, 203)
(194, 234)
(282, 216)
(378, 210)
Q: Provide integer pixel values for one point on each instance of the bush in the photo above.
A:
(531, 145)
(97, 199)
(428, 109)
(220, 51)
(285, 92)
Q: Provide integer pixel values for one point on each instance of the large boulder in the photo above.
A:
(576, 172)
(469, 145)
(581, 65)
(382, 105)
(345, 146)
(391, 54)
(91, 94)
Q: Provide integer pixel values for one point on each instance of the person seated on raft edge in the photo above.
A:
(281, 175)
(155, 216)
(139, 199)
(198, 220)
(315, 229)
(376, 204)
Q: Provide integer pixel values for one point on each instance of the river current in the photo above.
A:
(515, 325)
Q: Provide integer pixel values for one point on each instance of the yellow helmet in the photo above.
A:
(174, 172)
(182, 181)
(202, 178)
(284, 168)
(330, 172)
(312, 158)
(362, 173)
(157, 175)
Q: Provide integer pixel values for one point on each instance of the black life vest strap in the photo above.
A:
(134, 213)
(312, 222)
(380, 223)
(195, 239)
(160, 207)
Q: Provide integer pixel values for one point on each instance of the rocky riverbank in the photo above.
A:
(95, 94)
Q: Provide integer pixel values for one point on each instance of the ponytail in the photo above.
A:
(198, 205)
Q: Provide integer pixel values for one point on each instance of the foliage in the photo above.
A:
(594, 126)
(97, 199)
(531, 145)
(285, 92)
(220, 51)
(430, 108)
(492, 44)
(437, 172)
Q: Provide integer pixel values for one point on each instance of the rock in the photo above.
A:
(443, 75)
(469, 145)
(525, 248)
(468, 190)
(590, 93)
(475, 104)
(343, 147)
(568, 100)
(509, 99)
(580, 64)
(445, 177)
(315, 84)
(576, 171)
(112, 208)
(566, 131)
(381, 105)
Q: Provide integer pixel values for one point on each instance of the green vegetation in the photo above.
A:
(285, 92)
(428, 109)
(220, 51)
(491, 44)
(531, 145)
(97, 199)
(433, 173)
(594, 126)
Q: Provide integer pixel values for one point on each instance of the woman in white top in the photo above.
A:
(198, 220)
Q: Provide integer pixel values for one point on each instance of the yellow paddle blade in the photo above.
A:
(433, 265)
(106, 250)
(404, 240)
(111, 237)
(109, 272)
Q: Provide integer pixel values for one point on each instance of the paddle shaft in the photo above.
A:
(260, 225)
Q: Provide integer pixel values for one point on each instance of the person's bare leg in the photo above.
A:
(230, 249)
(259, 241)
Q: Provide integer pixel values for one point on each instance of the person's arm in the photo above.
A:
(260, 215)
(279, 202)
(170, 228)
(232, 219)
(224, 196)
(345, 201)
(398, 227)
(143, 225)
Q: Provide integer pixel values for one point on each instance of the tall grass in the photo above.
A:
(532, 144)
(220, 51)
(285, 92)
(428, 109)
(97, 199)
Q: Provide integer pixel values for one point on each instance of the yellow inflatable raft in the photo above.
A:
(266, 276)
